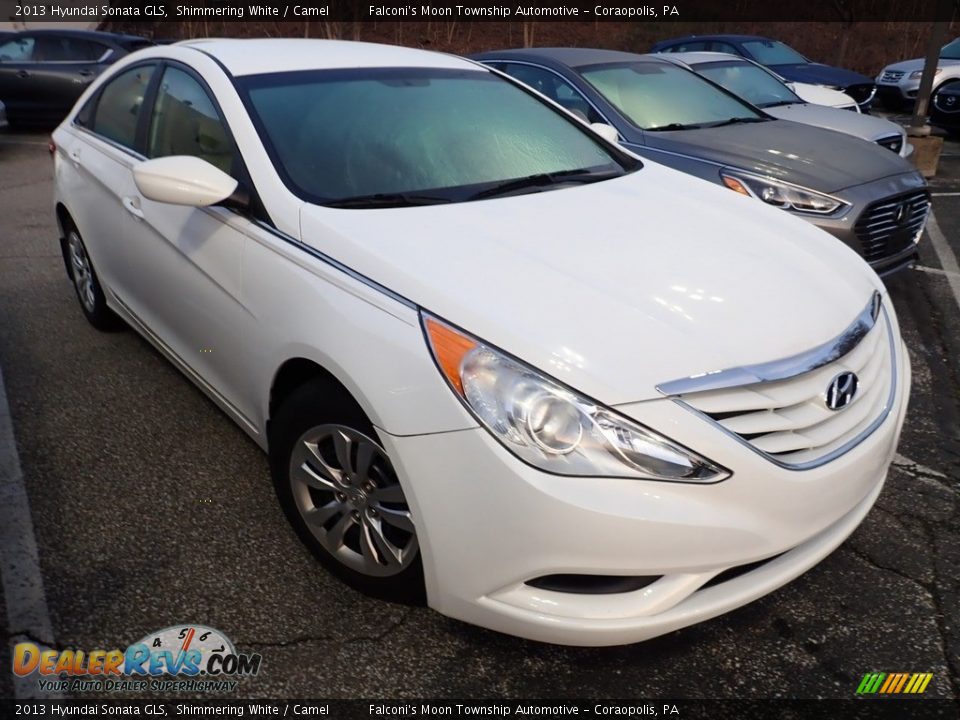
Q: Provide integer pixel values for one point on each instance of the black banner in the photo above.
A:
(846, 11)
(865, 709)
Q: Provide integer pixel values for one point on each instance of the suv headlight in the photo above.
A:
(917, 74)
(550, 426)
(780, 194)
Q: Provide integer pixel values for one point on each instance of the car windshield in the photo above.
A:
(748, 81)
(773, 52)
(951, 51)
(661, 96)
(402, 136)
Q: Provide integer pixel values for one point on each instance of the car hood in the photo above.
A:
(820, 95)
(819, 159)
(616, 286)
(917, 64)
(819, 74)
(867, 127)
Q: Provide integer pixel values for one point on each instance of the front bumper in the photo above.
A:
(488, 523)
(903, 90)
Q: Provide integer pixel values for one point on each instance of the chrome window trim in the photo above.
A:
(836, 452)
(784, 368)
(104, 139)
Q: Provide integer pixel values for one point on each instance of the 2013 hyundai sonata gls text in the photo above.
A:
(423, 289)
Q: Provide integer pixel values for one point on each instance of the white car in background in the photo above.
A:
(819, 95)
(775, 96)
(496, 361)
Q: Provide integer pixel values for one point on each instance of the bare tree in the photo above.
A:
(845, 11)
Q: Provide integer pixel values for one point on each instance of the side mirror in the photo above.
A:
(607, 132)
(183, 180)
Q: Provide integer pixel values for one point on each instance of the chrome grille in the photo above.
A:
(788, 420)
(889, 226)
(892, 142)
(891, 76)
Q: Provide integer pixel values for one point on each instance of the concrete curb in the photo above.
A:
(28, 619)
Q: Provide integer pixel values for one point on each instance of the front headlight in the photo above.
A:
(780, 194)
(550, 426)
(917, 74)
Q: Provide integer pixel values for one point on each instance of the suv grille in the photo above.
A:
(891, 76)
(892, 142)
(861, 93)
(889, 226)
(788, 420)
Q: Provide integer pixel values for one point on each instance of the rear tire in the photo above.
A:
(93, 302)
(340, 493)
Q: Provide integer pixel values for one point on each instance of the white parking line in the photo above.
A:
(27, 616)
(932, 271)
(947, 259)
(945, 194)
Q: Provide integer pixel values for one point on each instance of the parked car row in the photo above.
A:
(661, 109)
(43, 72)
(505, 348)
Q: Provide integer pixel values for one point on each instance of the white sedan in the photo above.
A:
(496, 361)
(775, 96)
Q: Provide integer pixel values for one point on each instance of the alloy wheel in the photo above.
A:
(82, 272)
(347, 492)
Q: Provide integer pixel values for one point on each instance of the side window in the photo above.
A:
(555, 88)
(85, 51)
(19, 49)
(119, 105)
(724, 47)
(691, 46)
(185, 122)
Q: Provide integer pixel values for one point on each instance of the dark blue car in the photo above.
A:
(779, 57)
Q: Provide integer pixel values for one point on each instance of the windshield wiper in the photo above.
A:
(780, 103)
(738, 121)
(388, 200)
(545, 180)
(674, 126)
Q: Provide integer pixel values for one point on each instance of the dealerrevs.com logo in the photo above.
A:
(184, 658)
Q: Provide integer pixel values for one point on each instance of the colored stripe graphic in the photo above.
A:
(894, 683)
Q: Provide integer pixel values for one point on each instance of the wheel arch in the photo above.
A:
(293, 374)
(64, 222)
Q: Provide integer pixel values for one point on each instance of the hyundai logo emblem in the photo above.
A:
(841, 391)
(901, 213)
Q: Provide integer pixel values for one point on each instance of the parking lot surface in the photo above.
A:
(150, 509)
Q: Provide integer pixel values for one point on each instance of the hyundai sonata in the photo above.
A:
(867, 197)
(497, 362)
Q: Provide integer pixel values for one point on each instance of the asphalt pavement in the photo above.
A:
(151, 509)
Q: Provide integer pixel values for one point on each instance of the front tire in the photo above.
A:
(339, 491)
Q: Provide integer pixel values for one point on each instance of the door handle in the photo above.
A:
(75, 156)
(86, 73)
(132, 206)
(23, 74)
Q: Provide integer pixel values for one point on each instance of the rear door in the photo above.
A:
(16, 62)
(63, 68)
(96, 172)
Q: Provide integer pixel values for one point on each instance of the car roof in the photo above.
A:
(734, 38)
(573, 57)
(270, 55)
(704, 56)
(87, 35)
